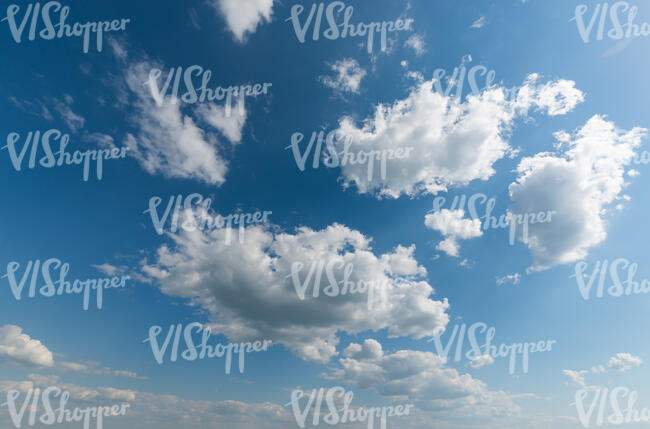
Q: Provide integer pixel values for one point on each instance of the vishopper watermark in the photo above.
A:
(617, 31)
(60, 29)
(333, 159)
(603, 396)
(344, 415)
(507, 220)
(191, 96)
(60, 286)
(59, 415)
(204, 349)
(197, 214)
(35, 139)
(618, 287)
(481, 350)
(332, 15)
(336, 287)
(462, 75)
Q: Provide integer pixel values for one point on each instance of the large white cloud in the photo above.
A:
(247, 287)
(578, 184)
(243, 16)
(455, 142)
(18, 347)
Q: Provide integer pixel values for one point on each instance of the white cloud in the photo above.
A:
(243, 16)
(108, 269)
(578, 378)
(171, 142)
(623, 362)
(19, 348)
(481, 361)
(371, 350)
(577, 185)
(510, 278)
(422, 378)
(452, 225)
(416, 42)
(454, 142)
(230, 125)
(479, 23)
(63, 107)
(159, 411)
(348, 76)
(247, 289)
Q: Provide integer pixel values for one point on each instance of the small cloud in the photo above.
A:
(416, 42)
(63, 107)
(479, 23)
(623, 362)
(481, 361)
(510, 278)
(348, 76)
(108, 269)
(194, 19)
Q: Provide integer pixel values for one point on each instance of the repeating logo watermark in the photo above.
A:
(615, 30)
(483, 353)
(336, 287)
(336, 29)
(344, 415)
(628, 286)
(191, 96)
(204, 349)
(508, 220)
(35, 139)
(642, 158)
(462, 75)
(59, 415)
(60, 286)
(49, 12)
(602, 397)
(332, 158)
(197, 214)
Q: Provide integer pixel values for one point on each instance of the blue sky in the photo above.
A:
(501, 148)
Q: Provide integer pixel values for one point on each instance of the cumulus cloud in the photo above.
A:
(454, 141)
(578, 184)
(19, 348)
(420, 378)
(347, 78)
(453, 225)
(247, 287)
(243, 16)
(623, 362)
